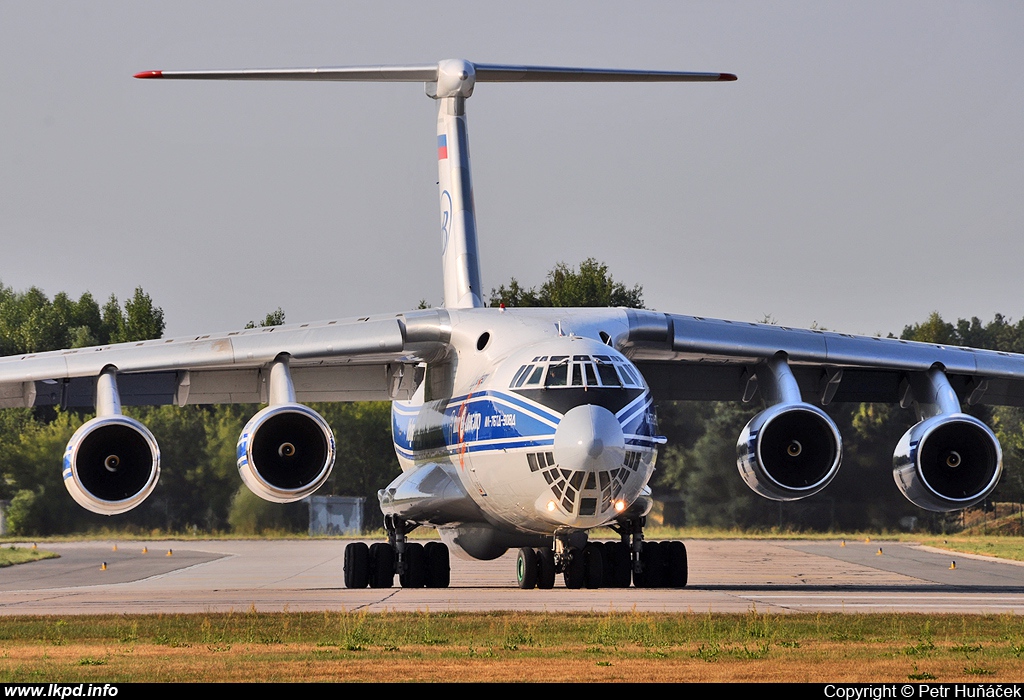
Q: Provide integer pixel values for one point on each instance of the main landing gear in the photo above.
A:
(417, 565)
(610, 564)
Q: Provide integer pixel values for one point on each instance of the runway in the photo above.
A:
(778, 576)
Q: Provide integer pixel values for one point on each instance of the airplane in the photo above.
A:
(518, 427)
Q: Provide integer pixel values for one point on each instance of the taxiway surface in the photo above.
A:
(725, 576)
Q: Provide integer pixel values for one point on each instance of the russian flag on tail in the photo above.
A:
(442, 146)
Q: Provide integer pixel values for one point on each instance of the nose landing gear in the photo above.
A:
(647, 564)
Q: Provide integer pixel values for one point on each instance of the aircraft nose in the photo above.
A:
(589, 438)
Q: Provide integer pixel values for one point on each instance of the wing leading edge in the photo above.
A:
(370, 358)
(693, 358)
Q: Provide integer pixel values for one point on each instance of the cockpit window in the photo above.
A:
(558, 375)
(576, 371)
(608, 375)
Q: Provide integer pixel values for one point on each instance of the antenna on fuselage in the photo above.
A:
(451, 82)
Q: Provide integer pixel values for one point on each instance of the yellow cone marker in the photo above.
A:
(843, 543)
(952, 564)
(866, 540)
(145, 550)
(170, 552)
(33, 545)
(114, 548)
(879, 552)
(103, 567)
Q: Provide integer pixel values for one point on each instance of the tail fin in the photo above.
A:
(450, 82)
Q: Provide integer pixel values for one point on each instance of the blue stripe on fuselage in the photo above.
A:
(495, 420)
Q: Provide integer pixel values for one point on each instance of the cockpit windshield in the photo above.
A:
(559, 371)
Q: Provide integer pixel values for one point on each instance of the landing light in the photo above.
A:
(620, 506)
(551, 506)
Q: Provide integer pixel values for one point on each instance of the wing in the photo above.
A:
(695, 358)
(285, 452)
(364, 359)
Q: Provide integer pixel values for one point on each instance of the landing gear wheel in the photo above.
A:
(357, 565)
(575, 570)
(415, 574)
(675, 566)
(607, 557)
(382, 565)
(617, 556)
(439, 572)
(545, 568)
(593, 566)
(526, 568)
(652, 562)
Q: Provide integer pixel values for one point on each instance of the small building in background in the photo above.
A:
(335, 515)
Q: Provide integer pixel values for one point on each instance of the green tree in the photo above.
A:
(588, 285)
(274, 318)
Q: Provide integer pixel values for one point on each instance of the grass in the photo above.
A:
(512, 646)
(19, 555)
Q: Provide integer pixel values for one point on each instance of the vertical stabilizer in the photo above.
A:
(460, 259)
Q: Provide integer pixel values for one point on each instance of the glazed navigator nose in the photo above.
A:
(589, 438)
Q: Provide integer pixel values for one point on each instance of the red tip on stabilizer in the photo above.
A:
(721, 78)
(150, 74)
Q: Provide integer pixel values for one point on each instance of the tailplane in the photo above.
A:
(451, 82)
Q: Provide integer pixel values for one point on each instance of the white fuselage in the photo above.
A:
(545, 427)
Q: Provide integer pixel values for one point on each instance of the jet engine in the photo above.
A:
(947, 462)
(285, 452)
(111, 464)
(789, 451)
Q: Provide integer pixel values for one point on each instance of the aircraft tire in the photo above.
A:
(526, 568)
(652, 562)
(415, 575)
(617, 558)
(593, 566)
(575, 569)
(357, 565)
(608, 558)
(675, 567)
(545, 568)
(382, 565)
(439, 571)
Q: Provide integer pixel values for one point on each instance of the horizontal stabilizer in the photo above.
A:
(485, 72)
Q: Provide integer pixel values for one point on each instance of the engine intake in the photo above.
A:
(947, 462)
(789, 451)
(111, 464)
(285, 452)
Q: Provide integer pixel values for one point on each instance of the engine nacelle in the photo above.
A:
(947, 462)
(111, 464)
(789, 451)
(285, 452)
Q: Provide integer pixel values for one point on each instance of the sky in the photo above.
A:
(865, 170)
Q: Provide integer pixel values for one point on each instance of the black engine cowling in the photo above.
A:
(947, 462)
(789, 451)
(111, 464)
(285, 452)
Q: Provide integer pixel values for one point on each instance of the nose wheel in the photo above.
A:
(645, 564)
